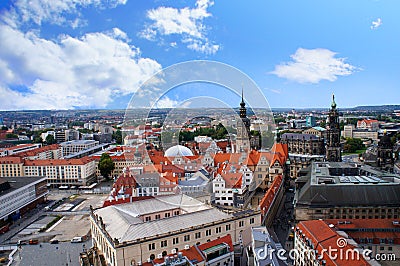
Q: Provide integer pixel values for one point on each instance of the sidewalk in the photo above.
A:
(20, 224)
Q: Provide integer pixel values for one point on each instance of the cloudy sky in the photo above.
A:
(69, 54)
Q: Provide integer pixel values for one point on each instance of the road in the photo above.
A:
(284, 218)
(29, 218)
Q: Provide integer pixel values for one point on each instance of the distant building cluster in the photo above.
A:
(207, 201)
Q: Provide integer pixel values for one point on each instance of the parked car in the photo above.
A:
(55, 241)
(77, 239)
(33, 242)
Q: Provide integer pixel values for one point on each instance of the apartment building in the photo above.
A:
(381, 236)
(15, 150)
(43, 153)
(11, 166)
(318, 243)
(63, 172)
(75, 146)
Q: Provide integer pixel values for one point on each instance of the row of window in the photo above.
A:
(197, 235)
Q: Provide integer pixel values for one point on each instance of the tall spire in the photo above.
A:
(333, 105)
(242, 104)
(243, 111)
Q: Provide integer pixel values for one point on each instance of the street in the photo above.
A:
(284, 219)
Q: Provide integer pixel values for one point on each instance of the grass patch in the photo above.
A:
(56, 219)
(356, 152)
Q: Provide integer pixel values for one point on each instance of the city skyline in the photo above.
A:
(95, 54)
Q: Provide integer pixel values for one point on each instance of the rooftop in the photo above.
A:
(19, 182)
(347, 184)
(123, 222)
(79, 142)
(80, 161)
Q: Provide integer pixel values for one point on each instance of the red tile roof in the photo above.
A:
(225, 239)
(36, 151)
(366, 228)
(268, 199)
(326, 238)
(11, 160)
(80, 161)
(232, 180)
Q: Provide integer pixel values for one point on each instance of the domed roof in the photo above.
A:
(178, 150)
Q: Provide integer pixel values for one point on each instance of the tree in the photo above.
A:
(117, 135)
(4, 128)
(50, 140)
(37, 139)
(220, 131)
(352, 145)
(106, 166)
(11, 136)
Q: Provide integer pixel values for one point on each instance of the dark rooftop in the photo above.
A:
(15, 183)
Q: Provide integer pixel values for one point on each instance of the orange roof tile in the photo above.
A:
(11, 160)
(324, 237)
(232, 180)
(225, 239)
(80, 161)
(269, 196)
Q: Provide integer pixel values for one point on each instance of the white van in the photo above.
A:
(77, 239)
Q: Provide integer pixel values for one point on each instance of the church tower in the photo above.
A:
(333, 149)
(243, 129)
(385, 153)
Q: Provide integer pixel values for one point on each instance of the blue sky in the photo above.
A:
(66, 54)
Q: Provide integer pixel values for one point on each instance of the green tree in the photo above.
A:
(117, 135)
(50, 140)
(85, 130)
(106, 166)
(220, 131)
(352, 145)
(279, 120)
(37, 139)
(11, 136)
(4, 128)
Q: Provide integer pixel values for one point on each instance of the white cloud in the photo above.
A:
(187, 22)
(275, 91)
(313, 65)
(69, 72)
(52, 11)
(201, 46)
(166, 102)
(376, 24)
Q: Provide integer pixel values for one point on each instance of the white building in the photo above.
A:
(231, 183)
(134, 232)
(75, 146)
(63, 172)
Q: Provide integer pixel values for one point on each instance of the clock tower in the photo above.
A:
(333, 149)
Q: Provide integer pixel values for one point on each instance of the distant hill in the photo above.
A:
(386, 108)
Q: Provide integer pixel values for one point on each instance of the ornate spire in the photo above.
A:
(242, 104)
(333, 105)
(243, 111)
